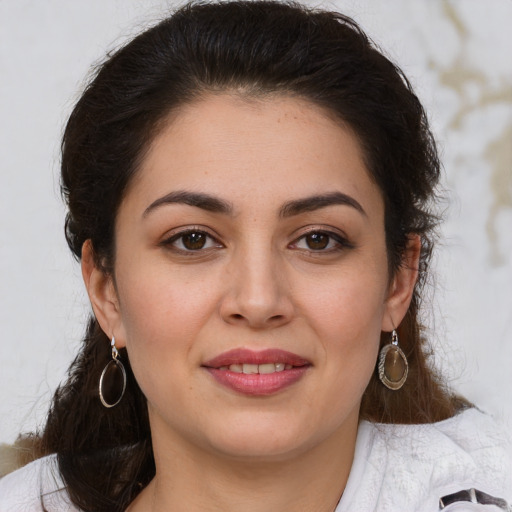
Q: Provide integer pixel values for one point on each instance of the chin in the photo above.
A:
(258, 449)
(265, 441)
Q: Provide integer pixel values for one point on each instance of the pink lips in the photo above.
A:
(263, 384)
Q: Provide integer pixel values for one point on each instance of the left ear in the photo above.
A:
(402, 286)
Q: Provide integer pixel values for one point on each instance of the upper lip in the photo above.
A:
(244, 355)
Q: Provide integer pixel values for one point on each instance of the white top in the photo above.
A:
(402, 468)
(396, 468)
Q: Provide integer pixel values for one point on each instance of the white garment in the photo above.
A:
(396, 468)
(37, 483)
(406, 468)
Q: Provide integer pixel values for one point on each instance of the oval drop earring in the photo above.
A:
(112, 380)
(393, 366)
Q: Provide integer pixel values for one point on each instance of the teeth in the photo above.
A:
(252, 369)
(267, 368)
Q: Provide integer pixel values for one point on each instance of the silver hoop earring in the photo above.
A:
(393, 366)
(112, 380)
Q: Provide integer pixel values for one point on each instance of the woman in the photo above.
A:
(250, 189)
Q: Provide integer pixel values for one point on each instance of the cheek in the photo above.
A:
(347, 317)
(351, 305)
(162, 315)
(160, 304)
(162, 318)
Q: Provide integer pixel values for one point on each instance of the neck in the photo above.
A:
(191, 479)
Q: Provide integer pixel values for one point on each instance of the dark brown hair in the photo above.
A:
(256, 48)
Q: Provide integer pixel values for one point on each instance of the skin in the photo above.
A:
(258, 282)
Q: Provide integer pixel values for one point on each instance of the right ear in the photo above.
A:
(102, 294)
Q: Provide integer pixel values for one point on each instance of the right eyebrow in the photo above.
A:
(198, 199)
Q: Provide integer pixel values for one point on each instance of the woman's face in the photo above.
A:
(251, 278)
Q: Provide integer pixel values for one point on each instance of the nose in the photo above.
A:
(257, 292)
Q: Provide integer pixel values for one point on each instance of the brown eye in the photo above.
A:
(194, 241)
(317, 241)
(190, 241)
(322, 242)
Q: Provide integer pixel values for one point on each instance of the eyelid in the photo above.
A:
(322, 228)
(176, 233)
(339, 237)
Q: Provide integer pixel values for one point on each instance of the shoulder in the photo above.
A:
(35, 485)
(409, 467)
(469, 445)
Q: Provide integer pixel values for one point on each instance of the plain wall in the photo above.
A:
(457, 55)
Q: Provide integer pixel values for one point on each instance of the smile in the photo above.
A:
(257, 373)
(251, 369)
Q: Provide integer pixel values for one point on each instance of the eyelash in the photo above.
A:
(341, 243)
(171, 241)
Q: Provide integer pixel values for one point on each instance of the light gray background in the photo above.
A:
(457, 54)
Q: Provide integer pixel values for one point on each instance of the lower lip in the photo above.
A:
(258, 384)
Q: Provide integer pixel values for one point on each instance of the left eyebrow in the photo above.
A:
(309, 204)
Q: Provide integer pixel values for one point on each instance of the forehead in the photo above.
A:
(260, 149)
